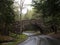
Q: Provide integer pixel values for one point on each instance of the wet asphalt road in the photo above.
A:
(40, 40)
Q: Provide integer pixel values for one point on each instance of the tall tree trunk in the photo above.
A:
(54, 28)
(5, 30)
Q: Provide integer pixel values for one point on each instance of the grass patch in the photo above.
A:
(18, 39)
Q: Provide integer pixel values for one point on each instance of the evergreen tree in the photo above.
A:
(50, 10)
(6, 15)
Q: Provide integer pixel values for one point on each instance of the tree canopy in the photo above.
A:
(50, 10)
(6, 15)
(6, 11)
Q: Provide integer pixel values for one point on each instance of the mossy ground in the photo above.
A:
(18, 39)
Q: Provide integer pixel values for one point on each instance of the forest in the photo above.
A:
(17, 17)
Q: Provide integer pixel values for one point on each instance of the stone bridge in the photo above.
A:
(19, 26)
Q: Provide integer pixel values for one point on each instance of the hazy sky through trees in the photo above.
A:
(26, 5)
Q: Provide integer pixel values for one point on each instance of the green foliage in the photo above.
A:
(6, 14)
(13, 35)
(50, 10)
